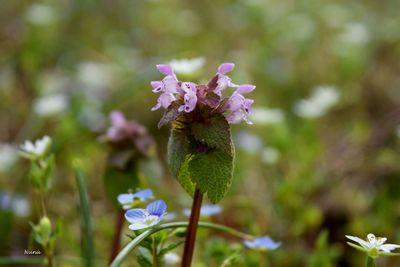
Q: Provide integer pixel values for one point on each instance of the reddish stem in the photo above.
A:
(192, 229)
(119, 222)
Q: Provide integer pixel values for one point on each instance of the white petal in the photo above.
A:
(138, 226)
(389, 247)
(360, 241)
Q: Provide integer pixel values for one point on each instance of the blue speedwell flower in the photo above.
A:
(262, 243)
(206, 210)
(127, 200)
(145, 218)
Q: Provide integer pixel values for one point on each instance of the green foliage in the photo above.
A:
(201, 154)
(324, 255)
(143, 260)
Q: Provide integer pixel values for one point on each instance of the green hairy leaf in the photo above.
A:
(212, 172)
(201, 154)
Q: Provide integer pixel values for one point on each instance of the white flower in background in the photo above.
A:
(373, 246)
(270, 155)
(37, 149)
(50, 105)
(398, 131)
(40, 14)
(321, 100)
(20, 206)
(248, 142)
(94, 75)
(355, 33)
(8, 156)
(187, 66)
(171, 259)
(265, 116)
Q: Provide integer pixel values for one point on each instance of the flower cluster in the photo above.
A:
(122, 131)
(189, 95)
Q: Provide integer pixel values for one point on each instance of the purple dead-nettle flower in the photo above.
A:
(262, 243)
(207, 98)
(167, 86)
(123, 131)
(189, 98)
(145, 218)
(128, 200)
(224, 81)
(239, 106)
(118, 121)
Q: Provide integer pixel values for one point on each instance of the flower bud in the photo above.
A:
(44, 228)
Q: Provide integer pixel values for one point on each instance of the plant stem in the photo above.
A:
(119, 222)
(156, 263)
(49, 260)
(135, 242)
(370, 262)
(192, 229)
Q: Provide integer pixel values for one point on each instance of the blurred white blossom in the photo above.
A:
(8, 156)
(264, 116)
(355, 33)
(40, 14)
(321, 100)
(171, 259)
(50, 105)
(35, 149)
(248, 142)
(20, 206)
(94, 75)
(270, 155)
(187, 66)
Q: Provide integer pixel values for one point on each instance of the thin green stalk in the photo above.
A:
(86, 222)
(156, 262)
(135, 242)
(369, 262)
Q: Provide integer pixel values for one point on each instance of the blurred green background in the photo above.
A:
(321, 160)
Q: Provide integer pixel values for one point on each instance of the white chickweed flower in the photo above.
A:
(373, 246)
(37, 149)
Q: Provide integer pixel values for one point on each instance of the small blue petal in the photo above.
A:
(210, 210)
(135, 215)
(143, 195)
(157, 208)
(206, 210)
(262, 243)
(125, 198)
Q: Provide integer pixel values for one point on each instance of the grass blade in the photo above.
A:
(86, 223)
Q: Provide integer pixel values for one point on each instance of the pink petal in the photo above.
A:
(245, 88)
(117, 118)
(156, 85)
(165, 69)
(226, 67)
